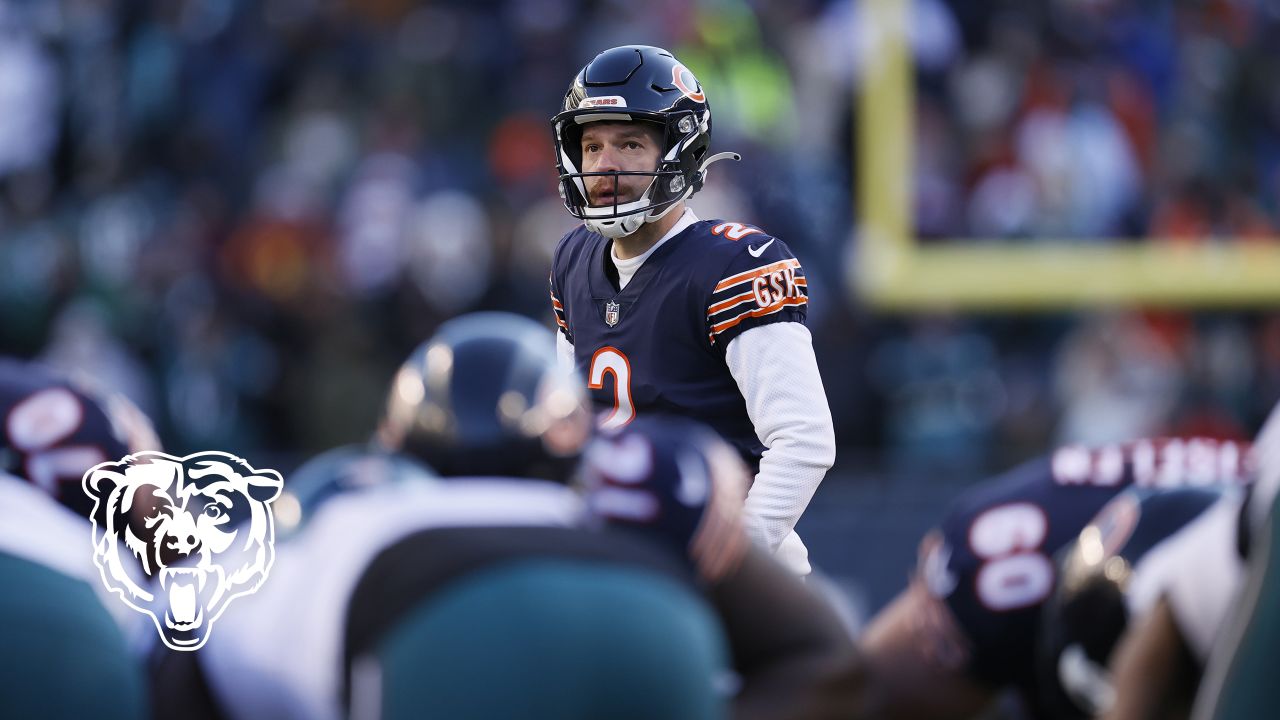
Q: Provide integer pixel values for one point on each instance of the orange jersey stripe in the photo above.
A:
(726, 304)
(750, 299)
(735, 301)
(760, 312)
(752, 274)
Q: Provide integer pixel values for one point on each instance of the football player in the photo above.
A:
(65, 637)
(673, 480)
(1213, 610)
(664, 312)
(1240, 679)
(967, 626)
(399, 594)
(1111, 579)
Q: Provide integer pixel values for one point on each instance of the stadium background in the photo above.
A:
(244, 214)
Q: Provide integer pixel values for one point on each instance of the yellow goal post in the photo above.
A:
(891, 270)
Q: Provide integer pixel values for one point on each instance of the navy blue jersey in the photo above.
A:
(53, 432)
(994, 566)
(672, 480)
(659, 344)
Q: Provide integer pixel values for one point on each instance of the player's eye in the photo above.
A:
(631, 145)
(591, 148)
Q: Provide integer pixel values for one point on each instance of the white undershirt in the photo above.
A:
(777, 374)
(627, 268)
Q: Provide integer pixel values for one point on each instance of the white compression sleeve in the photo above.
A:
(777, 372)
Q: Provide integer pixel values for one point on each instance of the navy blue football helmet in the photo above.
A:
(54, 428)
(487, 396)
(635, 83)
(1089, 610)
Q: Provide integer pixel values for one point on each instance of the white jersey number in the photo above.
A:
(1014, 573)
(612, 361)
(40, 422)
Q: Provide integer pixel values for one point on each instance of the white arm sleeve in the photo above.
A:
(777, 373)
(564, 349)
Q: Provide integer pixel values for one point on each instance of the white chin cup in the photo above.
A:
(616, 227)
(615, 221)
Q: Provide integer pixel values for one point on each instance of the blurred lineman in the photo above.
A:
(1240, 680)
(673, 481)
(663, 312)
(396, 594)
(64, 636)
(969, 624)
(1112, 582)
(1211, 612)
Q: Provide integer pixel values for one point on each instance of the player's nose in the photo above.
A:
(608, 160)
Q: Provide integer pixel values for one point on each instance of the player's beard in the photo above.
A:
(618, 190)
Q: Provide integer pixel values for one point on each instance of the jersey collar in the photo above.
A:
(599, 283)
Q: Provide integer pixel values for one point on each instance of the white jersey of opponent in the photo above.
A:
(1197, 571)
(1205, 572)
(35, 527)
(1266, 451)
(278, 652)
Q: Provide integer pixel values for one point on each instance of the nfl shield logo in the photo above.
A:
(611, 311)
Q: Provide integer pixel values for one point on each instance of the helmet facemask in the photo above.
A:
(676, 176)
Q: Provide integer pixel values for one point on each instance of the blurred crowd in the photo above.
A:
(1090, 122)
(245, 214)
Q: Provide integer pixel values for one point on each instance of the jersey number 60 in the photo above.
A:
(610, 360)
(1014, 573)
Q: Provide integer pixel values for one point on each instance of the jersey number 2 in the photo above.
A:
(606, 361)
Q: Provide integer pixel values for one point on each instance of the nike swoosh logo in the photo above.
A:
(758, 251)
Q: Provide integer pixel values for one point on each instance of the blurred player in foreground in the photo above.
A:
(967, 627)
(673, 481)
(1240, 680)
(475, 594)
(64, 637)
(1206, 601)
(1111, 581)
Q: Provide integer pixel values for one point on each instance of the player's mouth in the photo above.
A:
(602, 198)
